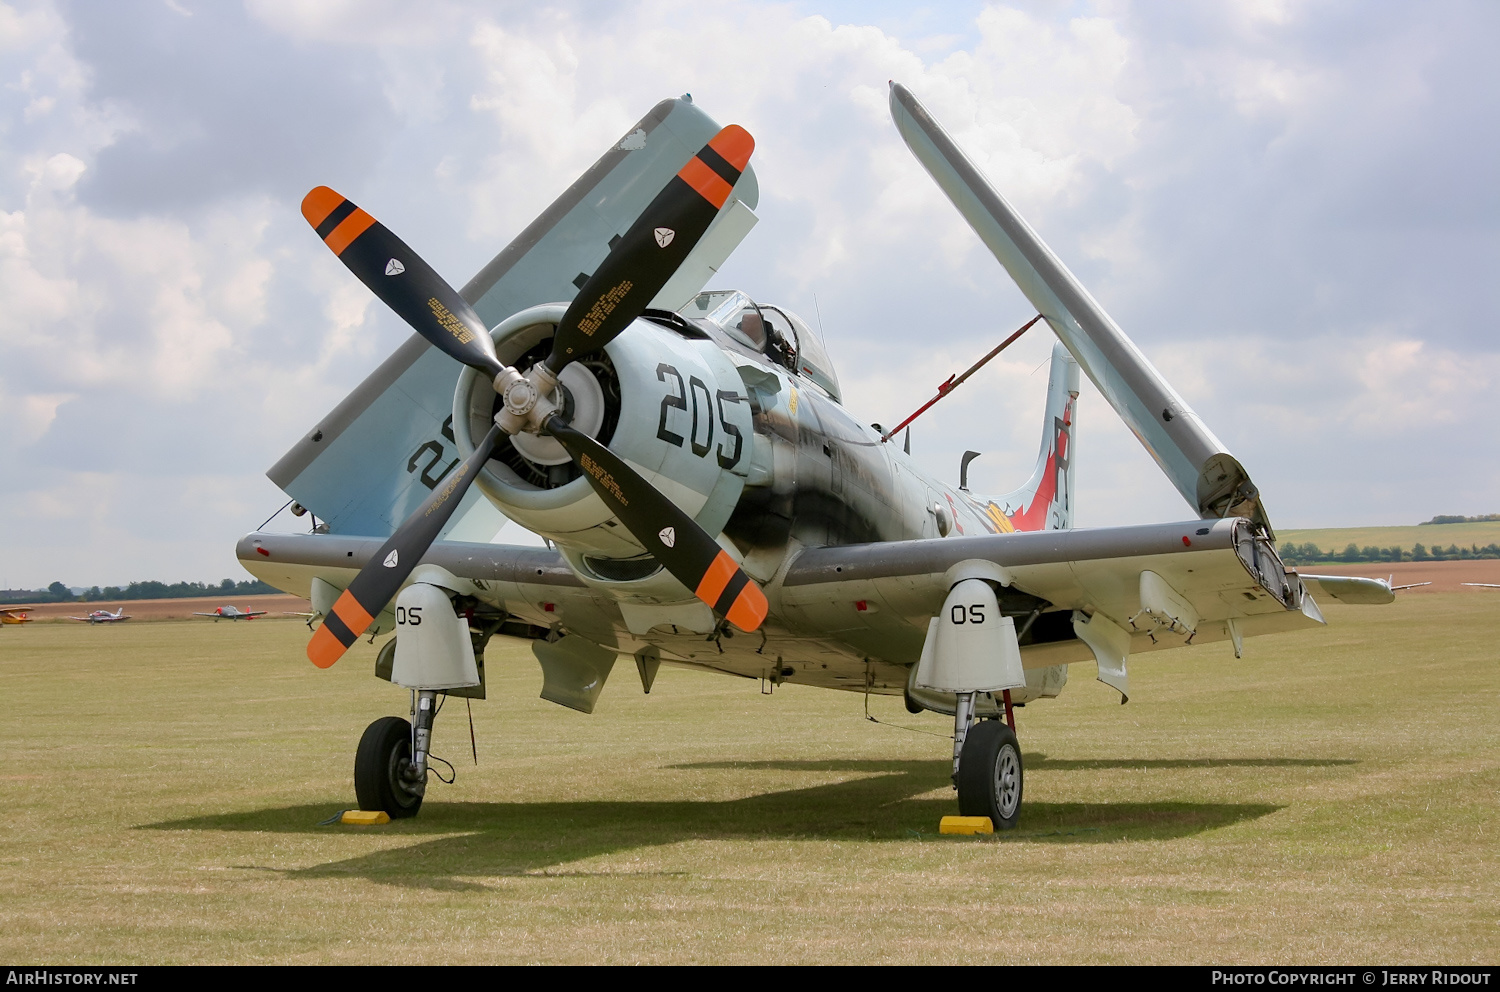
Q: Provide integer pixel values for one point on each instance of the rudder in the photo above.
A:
(1045, 502)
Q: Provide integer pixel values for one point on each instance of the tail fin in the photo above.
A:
(1045, 502)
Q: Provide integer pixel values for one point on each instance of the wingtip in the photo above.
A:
(897, 99)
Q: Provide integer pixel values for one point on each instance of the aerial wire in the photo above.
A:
(276, 514)
(896, 726)
(473, 746)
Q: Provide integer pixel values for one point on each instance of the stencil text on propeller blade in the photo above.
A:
(603, 307)
(601, 474)
(450, 323)
(453, 482)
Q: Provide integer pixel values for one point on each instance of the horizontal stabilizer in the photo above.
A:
(1207, 475)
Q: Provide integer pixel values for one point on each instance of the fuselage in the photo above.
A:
(733, 409)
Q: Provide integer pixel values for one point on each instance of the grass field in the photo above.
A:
(1331, 798)
(1338, 538)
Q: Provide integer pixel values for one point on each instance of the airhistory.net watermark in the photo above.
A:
(67, 976)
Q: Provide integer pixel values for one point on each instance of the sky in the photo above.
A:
(1292, 208)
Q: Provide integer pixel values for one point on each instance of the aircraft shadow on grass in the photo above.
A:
(1041, 761)
(884, 802)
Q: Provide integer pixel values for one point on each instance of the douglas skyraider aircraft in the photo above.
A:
(711, 501)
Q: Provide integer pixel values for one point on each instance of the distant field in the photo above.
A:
(1337, 538)
(1330, 798)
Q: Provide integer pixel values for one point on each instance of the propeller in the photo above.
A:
(670, 535)
(377, 582)
(635, 270)
(401, 278)
(649, 253)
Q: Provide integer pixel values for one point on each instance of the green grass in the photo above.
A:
(1337, 538)
(1330, 798)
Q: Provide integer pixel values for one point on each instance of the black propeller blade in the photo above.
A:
(670, 535)
(399, 276)
(383, 574)
(650, 252)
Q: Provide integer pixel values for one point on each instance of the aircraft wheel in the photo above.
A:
(384, 752)
(990, 775)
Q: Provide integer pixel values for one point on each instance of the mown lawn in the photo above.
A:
(1330, 798)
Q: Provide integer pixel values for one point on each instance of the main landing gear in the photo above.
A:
(390, 767)
(986, 765)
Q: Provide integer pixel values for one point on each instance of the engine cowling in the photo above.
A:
(673, 406)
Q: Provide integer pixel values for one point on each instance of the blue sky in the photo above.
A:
(1291, 207)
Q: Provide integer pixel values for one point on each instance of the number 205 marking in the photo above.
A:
(974, 614)
(679, 400)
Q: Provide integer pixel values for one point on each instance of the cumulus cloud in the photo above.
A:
(1290, 207)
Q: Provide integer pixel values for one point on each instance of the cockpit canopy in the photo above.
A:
(772, 331)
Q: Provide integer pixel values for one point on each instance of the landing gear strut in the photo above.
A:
(390, 767)
(986, 766)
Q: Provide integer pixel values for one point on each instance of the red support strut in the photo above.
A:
(954, 381)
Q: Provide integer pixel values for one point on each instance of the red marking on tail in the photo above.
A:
(1034, 517)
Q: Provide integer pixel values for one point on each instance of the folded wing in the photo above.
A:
(1208, 476)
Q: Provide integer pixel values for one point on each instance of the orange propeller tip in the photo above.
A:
(324, 649)
(749, 609)
(734, 144)
(319, 203)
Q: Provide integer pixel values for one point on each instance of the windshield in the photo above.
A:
(733, 311)
(773, 331)
(812, 356)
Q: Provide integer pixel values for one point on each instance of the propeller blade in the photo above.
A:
(402, 280)
(377, 582)
(649, 253)
(670, 535)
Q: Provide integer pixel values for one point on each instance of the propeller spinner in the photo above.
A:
(631, 275)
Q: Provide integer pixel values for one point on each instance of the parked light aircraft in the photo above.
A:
(709, 499)
(14, 615)
(104, 616)
(232, 613)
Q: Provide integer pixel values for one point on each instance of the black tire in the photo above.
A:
(385, 746)
(990, 775)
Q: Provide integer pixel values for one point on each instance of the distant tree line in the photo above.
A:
(59, 593)
(1450, 519)
(1311, 554)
